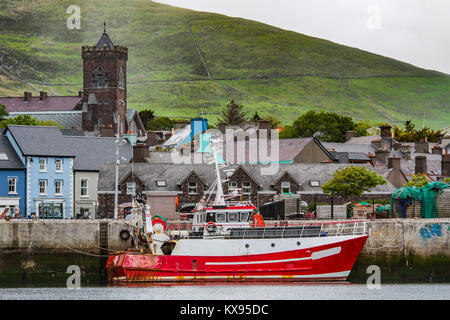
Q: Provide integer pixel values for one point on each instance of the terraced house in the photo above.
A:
(49, 161)
(12, 181)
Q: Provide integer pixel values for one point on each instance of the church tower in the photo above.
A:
(104, 87)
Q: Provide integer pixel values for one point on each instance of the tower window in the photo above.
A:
(99, 78)
(121, 79)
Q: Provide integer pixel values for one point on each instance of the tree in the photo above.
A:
(352, 181)
(162, 123)
(255, 117)
(329, 126)
(418, 180)
(3, 112)
(27, 120)
(410, 134)
(233, 114)
(146, 115)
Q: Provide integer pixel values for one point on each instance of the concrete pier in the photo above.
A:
(63, 236)
(39, 252)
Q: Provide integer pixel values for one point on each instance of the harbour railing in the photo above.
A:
(279, 229)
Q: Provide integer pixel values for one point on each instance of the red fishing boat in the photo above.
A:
(230, 241)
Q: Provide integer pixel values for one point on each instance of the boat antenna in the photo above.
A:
(219, 199)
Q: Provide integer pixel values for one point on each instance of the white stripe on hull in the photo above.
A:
(314, 256)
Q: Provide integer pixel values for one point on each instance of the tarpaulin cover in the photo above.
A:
(427, 195)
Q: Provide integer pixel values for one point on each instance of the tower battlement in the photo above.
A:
(92, 52)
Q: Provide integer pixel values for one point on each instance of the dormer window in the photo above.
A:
(285, 187)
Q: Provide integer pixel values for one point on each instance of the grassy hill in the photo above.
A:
(182, 63)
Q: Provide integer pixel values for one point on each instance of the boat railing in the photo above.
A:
(279, 229)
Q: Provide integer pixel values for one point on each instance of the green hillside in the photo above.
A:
(182, 63)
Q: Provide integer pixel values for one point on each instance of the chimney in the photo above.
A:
(394, 163)
(421, 164)
(349, 135)
(180, 124)
(446, 165)
(264, 124)
(436, 150)
(385, 131)
(43, 95)
(381, 155)
(27, 95)
(421, 146)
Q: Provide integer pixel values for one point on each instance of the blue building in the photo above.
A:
(12, 181)
(49, 169)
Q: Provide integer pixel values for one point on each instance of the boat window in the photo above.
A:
(221, 217)
(233, 216)
(244, 216)
(210, 216)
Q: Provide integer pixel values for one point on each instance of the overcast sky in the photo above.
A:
(413, 31)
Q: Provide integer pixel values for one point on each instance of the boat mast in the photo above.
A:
(219, 200)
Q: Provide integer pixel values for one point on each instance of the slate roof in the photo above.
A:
(67, 119)
(92, 152)
(174, 173)
(41, 141)
(13, 161)
(288, 149)
(105, 40)
(18, 104)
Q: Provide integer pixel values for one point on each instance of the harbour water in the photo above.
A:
(207, 291)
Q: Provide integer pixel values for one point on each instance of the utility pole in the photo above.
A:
(116, 190)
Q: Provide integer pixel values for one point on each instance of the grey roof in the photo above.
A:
(92, 152)
(72, 132)
(434, 167)
(150, 173)
(174, 173)
(367, 140)
(349, 147)
(13, 161)
(67, 119)
(105, 40)
(288, 149)
(40, 141)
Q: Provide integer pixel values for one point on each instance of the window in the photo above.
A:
(3, 156)
(285, 187)
(58, 186)
(246, 187)
(233, 216)
(121, 79)
(84, 187)
(58, 164)
(244, 216)
(232, 185)
(315, 184)
(192, 187)
(43, 186)
(43, 164)
(12, 185)
(161, 183)
(221, 217)
(131, 187)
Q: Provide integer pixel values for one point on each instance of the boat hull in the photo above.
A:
(320, 260)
